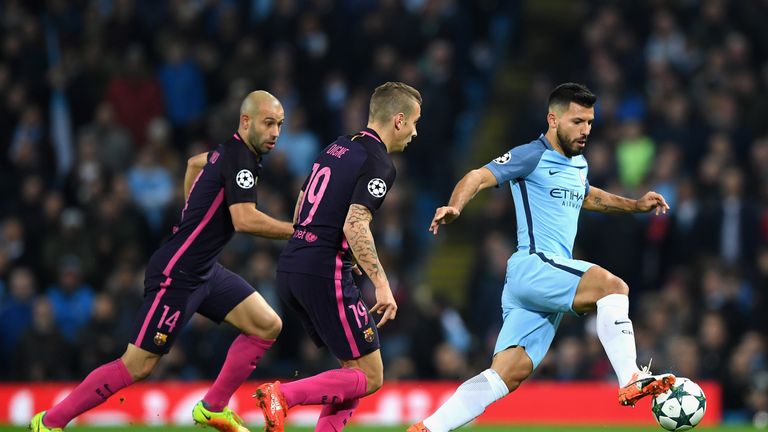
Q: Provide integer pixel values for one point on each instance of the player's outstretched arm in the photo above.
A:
(357, 230)
(195, 164)
(604, 202)
(248, 219)
(466, 189)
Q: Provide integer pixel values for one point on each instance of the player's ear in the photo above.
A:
(552, 120)
(399, 120)
(245, 121)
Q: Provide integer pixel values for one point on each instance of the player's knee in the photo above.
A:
(140, 370)
(268, 327)
(514, 377)
(616, 285)
(274, 327)
(142, 373)
(375, 380)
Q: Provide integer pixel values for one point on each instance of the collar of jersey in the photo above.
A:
(242, 141)
(548, 145)
(546, 142)
(374, 133)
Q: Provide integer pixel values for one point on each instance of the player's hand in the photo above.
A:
(652, 200)
(385, 305)
(443, 215)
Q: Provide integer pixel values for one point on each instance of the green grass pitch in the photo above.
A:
(360, 428)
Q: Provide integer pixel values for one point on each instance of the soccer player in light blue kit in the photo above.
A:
(548, 178)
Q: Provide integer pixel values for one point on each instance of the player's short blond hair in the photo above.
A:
(391, 98)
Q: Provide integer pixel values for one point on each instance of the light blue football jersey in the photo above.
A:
(548, 189)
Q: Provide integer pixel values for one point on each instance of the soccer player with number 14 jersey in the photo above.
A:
(184, 277)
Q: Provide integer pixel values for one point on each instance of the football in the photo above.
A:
(680, 408)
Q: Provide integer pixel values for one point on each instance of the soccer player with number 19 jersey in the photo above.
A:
(349, 181)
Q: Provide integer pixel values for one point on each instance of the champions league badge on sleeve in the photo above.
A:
(377, 187)
(245, 179)
(503, 158)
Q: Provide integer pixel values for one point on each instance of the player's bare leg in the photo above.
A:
(260, 326)
(255, 317)
(373, 368)
(139, 362)
(601, 290)
(339, 390)
(508, 370)
(104, 381)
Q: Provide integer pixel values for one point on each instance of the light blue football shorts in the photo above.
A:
(539, 289)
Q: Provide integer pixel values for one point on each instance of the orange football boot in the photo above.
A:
(418, 427)
(644, 384)
(272, 404)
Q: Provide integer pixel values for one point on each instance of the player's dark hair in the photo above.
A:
(565, 93)
(391, 98)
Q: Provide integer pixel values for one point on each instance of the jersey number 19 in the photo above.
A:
(318, 182)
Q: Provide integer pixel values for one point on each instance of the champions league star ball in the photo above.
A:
(680, 408)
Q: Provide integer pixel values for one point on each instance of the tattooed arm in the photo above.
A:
(604, 202)
(357, 230)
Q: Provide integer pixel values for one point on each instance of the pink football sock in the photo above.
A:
(334, 417)
(243, 356)
(331, 387)
(95, 389)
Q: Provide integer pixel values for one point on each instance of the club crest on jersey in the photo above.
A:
(503, 158)
(377, 187)
(160, 339)
(245, 179)
(368, 335)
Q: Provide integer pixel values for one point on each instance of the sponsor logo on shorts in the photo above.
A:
(368, 335)
(160, 339)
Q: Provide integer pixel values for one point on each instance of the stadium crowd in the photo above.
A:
(102, 102)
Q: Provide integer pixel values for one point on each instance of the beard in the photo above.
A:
(255, 141)
(570, 148)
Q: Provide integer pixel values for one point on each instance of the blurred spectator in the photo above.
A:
(135, 94)
(634, 153)
(151, 186)
(42, 353)
(298, 143)
(731, 223)
(713, 335)
(15, 313)
(183, 86)
(71, 298)
(113, 143)
(100, 340)
(69, 239)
